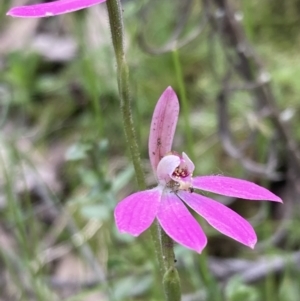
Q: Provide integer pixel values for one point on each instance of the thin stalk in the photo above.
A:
(116, 25)
(184, 102)
(206, 276)
(163, 248)
(167, 250)
(171, 280)
(89, 74)
(26, 247)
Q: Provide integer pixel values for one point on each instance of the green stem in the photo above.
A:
(184, 102)
(89, 74)
(167, 250)
(171, 280)
(162, 243)
(116, 25)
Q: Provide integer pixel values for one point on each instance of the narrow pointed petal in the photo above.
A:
(179, 224)
(234, 188)
(136, 213)
(221, 218)
(163, 126)
(51, 9)
(166, 167)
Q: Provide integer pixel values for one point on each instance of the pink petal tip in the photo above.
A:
(221, 218)
(51, 8)
(234, 188)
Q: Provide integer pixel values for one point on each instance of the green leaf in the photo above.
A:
(238, 291)
(289, 289)
(77, 151)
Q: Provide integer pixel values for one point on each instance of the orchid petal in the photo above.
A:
(163, 126)
(136, 213)
(166, 167)
(234, 188)
(179, 224)
(221, 218)
(51, 9)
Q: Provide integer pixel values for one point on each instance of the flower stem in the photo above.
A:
(171, 280)
(163, 244)
(116, 25)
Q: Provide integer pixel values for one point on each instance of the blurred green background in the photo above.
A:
(64, 163)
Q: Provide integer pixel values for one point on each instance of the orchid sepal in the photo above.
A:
(51, 8)
(234, 188)
(163, 126)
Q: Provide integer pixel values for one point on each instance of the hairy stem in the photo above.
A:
(163, 244)
(117, 31)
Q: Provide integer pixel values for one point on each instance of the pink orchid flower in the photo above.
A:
(176, 189)
(51, 9)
